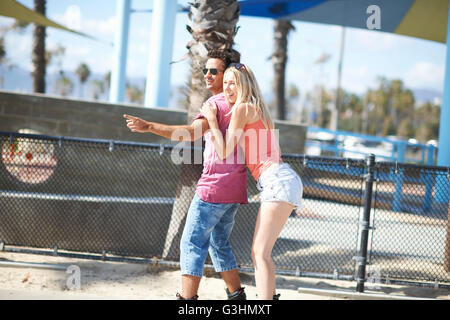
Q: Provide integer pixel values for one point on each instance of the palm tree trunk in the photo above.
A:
(279, 59)
(38, 54)
(212, 25)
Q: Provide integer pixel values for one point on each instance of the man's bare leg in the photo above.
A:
(189, 285)
(232, 280)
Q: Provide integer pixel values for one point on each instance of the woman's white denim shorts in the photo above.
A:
(280, 183)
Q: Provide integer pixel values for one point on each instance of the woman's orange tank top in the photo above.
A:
(261, 147)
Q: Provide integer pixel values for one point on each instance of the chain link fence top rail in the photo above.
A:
(131, 199)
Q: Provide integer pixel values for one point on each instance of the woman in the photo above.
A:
(251, 129)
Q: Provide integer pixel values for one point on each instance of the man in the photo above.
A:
(220, 190)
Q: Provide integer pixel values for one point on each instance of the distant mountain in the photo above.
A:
(17, 79)
(427, 95)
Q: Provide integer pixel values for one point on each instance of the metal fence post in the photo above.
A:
(365, 224)
(430, 155)
(398, 181)
(429, 178)
(447, 243)
(398, 175)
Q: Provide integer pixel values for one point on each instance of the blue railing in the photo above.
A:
(354, 145)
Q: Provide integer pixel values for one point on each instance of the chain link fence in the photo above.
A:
(129, 199)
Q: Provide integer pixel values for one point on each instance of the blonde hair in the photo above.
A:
(248, 92)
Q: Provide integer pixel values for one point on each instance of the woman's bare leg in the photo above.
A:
(270, 221)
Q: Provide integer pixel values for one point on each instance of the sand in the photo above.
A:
(104, 280)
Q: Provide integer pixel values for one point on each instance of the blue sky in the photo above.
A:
(367, 54)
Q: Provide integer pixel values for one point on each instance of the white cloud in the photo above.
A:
(356, 79)
(6, 21)
(101, 28)
(141, 33)
(136, 67)
(73, 19)
(96, 55)
(138, 49)
(378, 41)
(425, 74)
(18, 49)
(356, 72)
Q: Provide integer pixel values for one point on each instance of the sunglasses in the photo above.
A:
(238, 66)
(213, 71)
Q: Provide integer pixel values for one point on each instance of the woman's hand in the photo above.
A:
(209, 111)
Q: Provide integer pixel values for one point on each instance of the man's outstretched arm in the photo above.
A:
(190, 132)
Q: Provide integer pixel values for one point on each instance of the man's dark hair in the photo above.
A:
(228, 56)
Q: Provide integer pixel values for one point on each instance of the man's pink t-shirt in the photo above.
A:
(222, 181)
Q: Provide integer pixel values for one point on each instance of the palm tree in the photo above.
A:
(212, 25)
(63, 85)
(107, 81)
(55, 56)
(279, 59)
(135, 94)
(38, 53)
(98, 88)
(83, 73)
(293, 93)
(2, 50)
(2, 58)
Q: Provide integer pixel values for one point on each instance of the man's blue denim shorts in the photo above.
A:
(208, 227)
